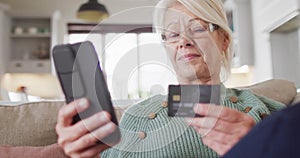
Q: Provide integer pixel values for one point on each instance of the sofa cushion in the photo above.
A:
(32, 124)
(50, 151)
(29, 124)
(280, 90)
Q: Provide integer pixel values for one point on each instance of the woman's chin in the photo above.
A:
(187, 74)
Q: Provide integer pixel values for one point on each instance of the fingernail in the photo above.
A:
(82, 102)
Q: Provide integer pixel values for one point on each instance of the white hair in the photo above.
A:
(211, 11)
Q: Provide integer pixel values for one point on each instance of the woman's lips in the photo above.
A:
(189, 56)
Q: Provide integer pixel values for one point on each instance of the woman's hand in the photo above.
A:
(220, 127)
(80, 139)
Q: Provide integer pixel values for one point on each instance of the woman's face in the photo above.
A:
(195, 52)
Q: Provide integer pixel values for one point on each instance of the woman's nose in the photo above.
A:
(185, 42)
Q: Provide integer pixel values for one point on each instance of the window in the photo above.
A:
(132, 57)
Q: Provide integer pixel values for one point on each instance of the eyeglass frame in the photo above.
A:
(211, 27)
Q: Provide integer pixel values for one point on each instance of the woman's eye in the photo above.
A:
(197, 30)
(172, 35)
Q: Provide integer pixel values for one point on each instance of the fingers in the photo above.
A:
(220, 112)
(220, 148)
(94, 151)
(90, 152)
(220, 141)
(219, 137)
(85, 126)
(239, 122)
(80, 139)
(216, 140)
(66, 113)
(91, 138)
(93, 122)
(221, 127)
(214, 123)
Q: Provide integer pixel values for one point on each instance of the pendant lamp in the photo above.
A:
(92, 11)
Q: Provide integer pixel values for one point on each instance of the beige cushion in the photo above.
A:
(50, 151)
(31, 124)
(280, 90)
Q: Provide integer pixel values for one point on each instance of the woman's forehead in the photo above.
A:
(182, 19)
(178, 13)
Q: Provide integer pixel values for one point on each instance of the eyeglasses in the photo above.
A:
(193, 30)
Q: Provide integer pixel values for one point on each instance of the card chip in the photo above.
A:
(176, 97)
(182, 98)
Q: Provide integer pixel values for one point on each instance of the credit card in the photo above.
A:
(182, 98)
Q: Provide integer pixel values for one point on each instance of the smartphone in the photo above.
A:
(182, 98)
(80, 75)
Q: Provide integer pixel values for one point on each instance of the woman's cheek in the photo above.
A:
(171, 52)
(210, 52)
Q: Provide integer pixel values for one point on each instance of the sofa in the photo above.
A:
(29, 128)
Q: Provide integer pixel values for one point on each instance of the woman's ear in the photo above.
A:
(225, 42)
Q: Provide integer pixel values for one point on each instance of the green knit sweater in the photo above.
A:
(164, 136)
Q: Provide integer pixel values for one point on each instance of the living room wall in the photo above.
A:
(4, 25)
(68, 8)
(262, 52)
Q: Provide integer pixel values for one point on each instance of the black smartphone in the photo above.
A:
(80, 75)
(182, 98)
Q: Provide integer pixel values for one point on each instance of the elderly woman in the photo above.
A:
(198, 42)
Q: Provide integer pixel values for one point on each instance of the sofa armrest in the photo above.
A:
(29, 124)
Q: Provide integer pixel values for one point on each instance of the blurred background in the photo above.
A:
(266, 39)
